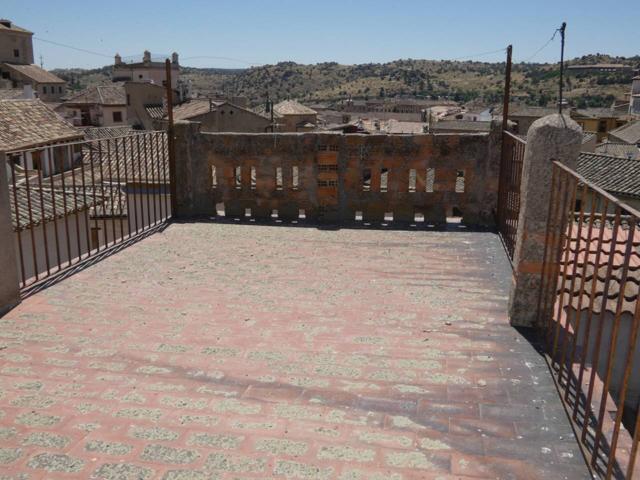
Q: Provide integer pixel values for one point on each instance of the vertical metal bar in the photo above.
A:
(16, 207)
(110, 188)
(583, 279)
(167, 176)
(161, 168)
(95, 204)
(572, 285)
(32, 226)
(75, 201)
(139, 180)
(633, 337)
(120, 212)
(126, 181)
(146, 176)
(44, 222)
(592, 295)
(53, 204)
(614, 338)
(104, 198)
(84, 200)
(170, 139)
(603, 311)
(66, 210)
(154, 168)
(633, 454)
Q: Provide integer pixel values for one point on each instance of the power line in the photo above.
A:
(475, 55)
(73, 48)
(543, 46)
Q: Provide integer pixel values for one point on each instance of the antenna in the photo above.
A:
(41, 61)
(562, 29)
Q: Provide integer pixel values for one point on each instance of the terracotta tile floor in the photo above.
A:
(244, 351)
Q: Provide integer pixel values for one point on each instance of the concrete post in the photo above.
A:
(555, 137)
(9, 278)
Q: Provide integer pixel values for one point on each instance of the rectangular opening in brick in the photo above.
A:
(412, 180)
(274, 213)
(366, 180)
(247, 212)
(295, 179)
(238, 177)
(358, 217)
(279, 182)
(384, 180)
(459, 181)
(388, 216)
(302, 213)
(254, 178)
(418, 217)
(220, 211)
(214, 177)
(430, 180)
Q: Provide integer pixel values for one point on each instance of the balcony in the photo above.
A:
(369, 336)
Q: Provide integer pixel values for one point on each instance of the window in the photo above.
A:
(117, 116)
(16, 53)
(44, 90)
(128, 99)
(59, 89)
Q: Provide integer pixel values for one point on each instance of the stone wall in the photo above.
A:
(337, 178)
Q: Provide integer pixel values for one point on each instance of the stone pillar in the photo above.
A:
(555, 137)
(9, 278)
(193, 174)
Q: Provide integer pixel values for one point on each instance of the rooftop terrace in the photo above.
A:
(219, 350)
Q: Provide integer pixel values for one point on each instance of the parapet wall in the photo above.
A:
(337, 178)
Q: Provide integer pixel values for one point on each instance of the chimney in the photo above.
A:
(174, 58)
(27, 92)
(118, 59)
(423, 116)
(146, 57)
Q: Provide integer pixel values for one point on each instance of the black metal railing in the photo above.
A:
(513, 148)
(72, 201)
(590, 314)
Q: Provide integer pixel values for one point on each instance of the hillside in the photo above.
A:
(533, 83)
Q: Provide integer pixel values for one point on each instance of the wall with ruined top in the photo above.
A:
(337, 178)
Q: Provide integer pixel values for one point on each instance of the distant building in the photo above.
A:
(628, 133)
(17, 69)
(599, 120)
(143, 98)
(600, 68)
(523, 116)
(620, 150)
(30, 124)
(221, 116)
(16, 43)
(97, 106)
(291, 116)
(153, 71)
(392, 105)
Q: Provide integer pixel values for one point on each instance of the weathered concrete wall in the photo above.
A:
(554, 137)
(333, 176)
(9, 280)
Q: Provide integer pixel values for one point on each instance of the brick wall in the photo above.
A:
(337, 178)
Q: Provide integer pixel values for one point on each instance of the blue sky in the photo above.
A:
(345, 31)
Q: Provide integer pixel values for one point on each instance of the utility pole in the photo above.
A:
(562, 29)
(41, 61)
(170, 139)
(507, 90)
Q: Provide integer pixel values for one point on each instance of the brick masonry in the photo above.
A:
(243, 351)
(334, 177)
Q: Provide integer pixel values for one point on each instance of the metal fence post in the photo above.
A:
(9, 279)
